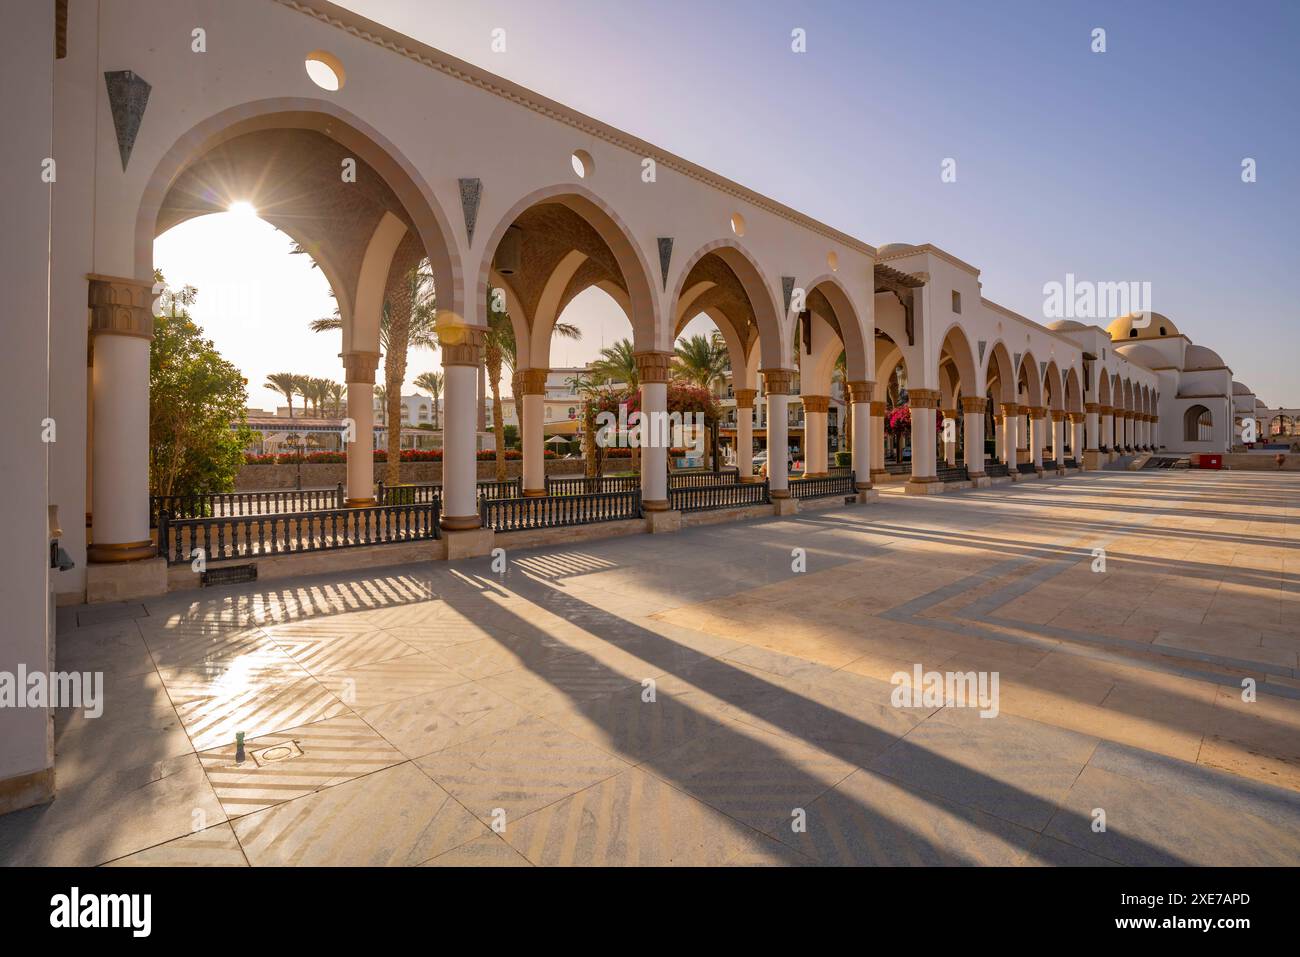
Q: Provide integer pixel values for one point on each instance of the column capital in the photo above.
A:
(532, 381)
(745, 398)
(1058, 415)
(653, 366)
(878, 409)
(1106, 409)
(816, 403)
(120, 306)
(778, 381)
(923, 398)
(1010, 408)
(974, 403)
(360, 366)
(1093, 407)
(1078, 417)
(860, 390)
(462, 345)
(1034, 411)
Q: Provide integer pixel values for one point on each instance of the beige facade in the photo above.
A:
(507, 194)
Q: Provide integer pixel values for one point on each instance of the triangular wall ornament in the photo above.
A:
(470, 191)
(983, 345)
(128, 95)
(665, 257)
(1042, 368)
(1016, 364)
(787, 290)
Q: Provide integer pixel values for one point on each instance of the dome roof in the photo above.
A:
(1200, 358)
(893, 249)
(1066, 325)
(1143, 355)
(1135, 326)
(1240, 388)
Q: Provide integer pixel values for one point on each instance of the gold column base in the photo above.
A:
(534, 493)
(655, 504)
(862, 486)
(923, 479)
(359, 502)
(779, 493)
(127, 552)
(459, 523)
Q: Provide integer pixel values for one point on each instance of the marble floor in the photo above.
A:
(722, 696)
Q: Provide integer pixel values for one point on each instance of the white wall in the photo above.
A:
(27, 41)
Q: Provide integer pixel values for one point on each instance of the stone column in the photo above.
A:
(1037, 434)
(1058, 437)
(1091, 412)
(1078, 422)
(530, 400)
(1010, 421)
(1106, 413)
(924, 405)
(359, 375)
(653, 370)
(999, 435)
(779, 383)
(949, 445)
(1127, 421)
(860, 441)
(121, 327)
(1155, 433)
(745, 433)
(460, 363)
(878, 470)
(973, 409)
(816, 411)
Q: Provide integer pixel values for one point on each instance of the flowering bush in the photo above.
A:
(251, 459)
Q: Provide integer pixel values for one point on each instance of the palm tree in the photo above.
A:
(337, 393)
(285, 383)
(431, 382)
(382, 395)
(509, 352)
(841, 375)
(408, 320)
(702, 360)
(617, 363)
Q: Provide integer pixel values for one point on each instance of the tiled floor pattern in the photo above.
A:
(689, 699)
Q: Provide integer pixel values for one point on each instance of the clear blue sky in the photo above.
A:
(1123, 165)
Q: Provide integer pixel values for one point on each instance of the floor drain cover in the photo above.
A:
(277, 753)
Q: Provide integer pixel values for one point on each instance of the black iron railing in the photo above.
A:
(696, 479)
(260, 536)
(1049, 464)
(698, 498)
(421, 494)
(1027, 468)
(822, 486)
(582, 485)
(1071, 463)
(230, 504)
(996, 469)
(558, 511)
(953, 473)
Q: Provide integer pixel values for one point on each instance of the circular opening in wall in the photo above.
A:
(325, 70)
(833, 260)
(583, 164)
(738, 224)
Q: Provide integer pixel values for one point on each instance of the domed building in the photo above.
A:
(1195, 399)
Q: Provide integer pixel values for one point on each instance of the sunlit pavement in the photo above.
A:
(691, 699)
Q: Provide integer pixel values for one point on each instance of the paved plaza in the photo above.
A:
(689, 699)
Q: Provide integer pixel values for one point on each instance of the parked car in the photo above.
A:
(760, 463)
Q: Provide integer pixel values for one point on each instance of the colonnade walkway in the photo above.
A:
(691, 699)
